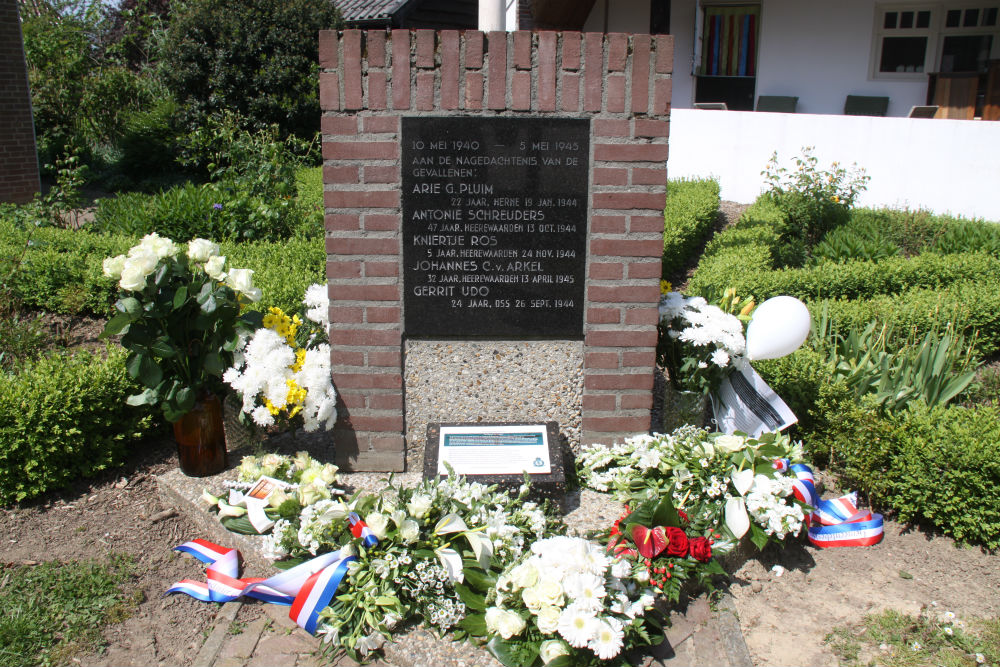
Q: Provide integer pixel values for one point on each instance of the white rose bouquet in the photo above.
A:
(180, 316)
(568, 600)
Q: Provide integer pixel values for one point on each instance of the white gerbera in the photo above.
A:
(608, 638)
(577, 625)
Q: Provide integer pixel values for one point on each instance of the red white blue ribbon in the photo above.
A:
(361, 530)
(307, 588)
(833, 523)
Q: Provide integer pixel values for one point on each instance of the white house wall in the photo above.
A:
(820, 51)
(945, 166)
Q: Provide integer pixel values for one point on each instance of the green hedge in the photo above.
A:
(62, 269)
(62, 418)
(847, 280)
(688, 216)
(970, 305)
(939, 467)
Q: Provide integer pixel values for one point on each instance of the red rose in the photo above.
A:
(701, 549)
(677, 542)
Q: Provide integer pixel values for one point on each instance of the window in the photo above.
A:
(913, 39)
(729, 40)
(903, 40)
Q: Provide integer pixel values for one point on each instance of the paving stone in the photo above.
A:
(243, 644)
(277, 642)
(273, 660)
(229, 662)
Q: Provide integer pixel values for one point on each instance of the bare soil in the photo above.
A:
(785, 616)
(120, 513)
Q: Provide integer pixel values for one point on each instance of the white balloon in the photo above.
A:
(779, 327)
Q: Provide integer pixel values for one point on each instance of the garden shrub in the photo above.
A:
(282, 271)
(62, 418)
(688, 216)
(798, 379)
(935, 466)
(856, 279)
(813, 200)
(971, 306)
(255, 57)
(62, 270)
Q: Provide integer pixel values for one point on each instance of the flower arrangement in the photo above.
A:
(567, 601)
(307, 482)
(703, 343)
(282, 372)
(726, 485)
(181, 318)
(660, 544)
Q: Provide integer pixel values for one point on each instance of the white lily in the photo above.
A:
(451, 561)
(451, 523)
(482, 546)
(742, 480)
(736, 517)
(225, 509)
(208, 498)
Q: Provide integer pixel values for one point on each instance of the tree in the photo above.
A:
(258, 58)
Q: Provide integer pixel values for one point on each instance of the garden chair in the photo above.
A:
(862, 105)
(777, 103)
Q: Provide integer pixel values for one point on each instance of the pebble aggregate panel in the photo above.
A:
(491, 381)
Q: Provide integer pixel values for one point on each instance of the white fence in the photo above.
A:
(945, 166)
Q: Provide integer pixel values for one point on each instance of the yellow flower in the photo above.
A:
(300, 360)
(835, 199)
(665, 287)
(271, 407)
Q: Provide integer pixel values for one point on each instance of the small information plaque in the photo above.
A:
(499, 453)
(494, 450)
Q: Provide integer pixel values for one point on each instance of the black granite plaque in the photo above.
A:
(494, 226)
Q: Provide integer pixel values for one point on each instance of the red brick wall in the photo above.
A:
(369, 80)
(18, 159)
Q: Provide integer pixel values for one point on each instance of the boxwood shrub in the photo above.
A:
(972, 306)
(62, 269)
(64, 417)
(688, 216)
(847, 280)
(939, 467)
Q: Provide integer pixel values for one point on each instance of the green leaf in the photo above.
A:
(512, 654)
(560, 661)
(180, 296)
(472, 600)
(213, 364)
(163, 348)
(474, 624)
(386, 601)
(116, 325)
(288, 563)
(758, 536)
(665, 514)
(479, 580)
(129, 306)
(209, 305)
(185, 398)
(148, 397)
(239, 524)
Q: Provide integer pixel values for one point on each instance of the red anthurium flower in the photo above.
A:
(649, 541)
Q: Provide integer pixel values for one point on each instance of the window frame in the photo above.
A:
(935, 34)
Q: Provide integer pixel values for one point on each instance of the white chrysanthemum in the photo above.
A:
(317, 301)
(608, 638)
(577, 625)
(720, 358)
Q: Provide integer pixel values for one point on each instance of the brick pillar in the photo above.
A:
(18, 157)
(369, 80)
